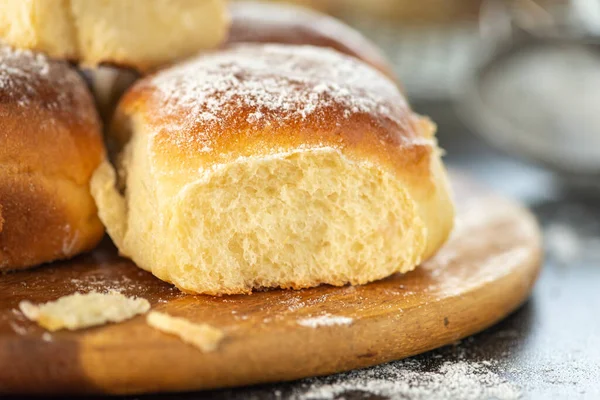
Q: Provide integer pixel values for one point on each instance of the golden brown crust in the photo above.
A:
(261, 22)
(45, 219)
(230, 103)
(50, 143)
(48, 119)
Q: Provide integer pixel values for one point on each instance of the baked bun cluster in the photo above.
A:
(257, 165)
(272, 166)
(50, 144)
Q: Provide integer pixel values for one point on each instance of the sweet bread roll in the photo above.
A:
(261, 22)
(50, 143)
(273, 166)
(141, 34)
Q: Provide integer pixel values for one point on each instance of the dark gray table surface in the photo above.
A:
(548, 349)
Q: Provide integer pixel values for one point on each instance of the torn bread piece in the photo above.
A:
(202, 336)
(78, 311)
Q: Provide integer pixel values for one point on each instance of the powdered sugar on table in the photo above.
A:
(452, 380)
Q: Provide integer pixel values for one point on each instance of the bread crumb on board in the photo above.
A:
(202, 336)
(78, 311)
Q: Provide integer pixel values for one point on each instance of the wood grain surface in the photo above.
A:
(483, 273)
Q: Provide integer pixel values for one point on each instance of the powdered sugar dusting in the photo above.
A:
(18, 65)
(28, 78)
(21, 72)
(252, 86)
(451, 380)
(453, 372)
(325, 320)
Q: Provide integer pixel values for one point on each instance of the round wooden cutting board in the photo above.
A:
(483, 273)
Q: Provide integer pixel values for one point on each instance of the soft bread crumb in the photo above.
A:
(290, 220)
(202, 336)
(78, 311)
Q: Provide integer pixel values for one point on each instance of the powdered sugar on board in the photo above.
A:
(252, 86)
(324, 320)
